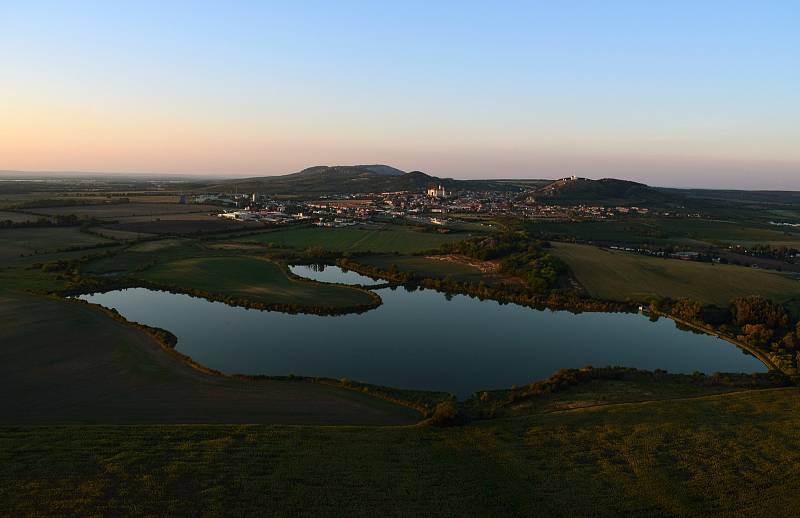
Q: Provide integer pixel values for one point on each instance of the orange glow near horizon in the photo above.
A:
(710, 101)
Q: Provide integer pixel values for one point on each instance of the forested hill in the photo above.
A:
(355, 179)
(607, 191)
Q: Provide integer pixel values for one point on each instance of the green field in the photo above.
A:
(729, 455)
(665, 231)
(18, 217)
(143, 255)
(253, 279)
(119, 210)
(121, 235)
(615, 275)
(28, 261)
(16, 242)
(387, 239)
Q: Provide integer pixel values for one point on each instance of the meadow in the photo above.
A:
(666, 231)
(253, 279)
(121, 235)
(142, 255)
(621, 276)
(10, 200)
(727, 455)
(182, 224)
(384, 239)
(18, 217)
(120, 210)
(16, 242)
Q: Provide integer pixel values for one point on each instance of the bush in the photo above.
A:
(445, 414)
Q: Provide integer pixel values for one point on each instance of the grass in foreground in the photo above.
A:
(735, 454)
(614, 275)
(387, 239)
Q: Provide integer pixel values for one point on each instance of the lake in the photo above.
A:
(333, 274)
(423, 339)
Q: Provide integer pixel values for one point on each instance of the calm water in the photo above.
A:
(423, 340)
(333, 274)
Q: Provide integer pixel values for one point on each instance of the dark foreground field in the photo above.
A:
(63, 362)
(728, 455)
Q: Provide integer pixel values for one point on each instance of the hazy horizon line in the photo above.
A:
(234, 176)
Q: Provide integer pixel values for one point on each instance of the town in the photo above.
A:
(434, 206)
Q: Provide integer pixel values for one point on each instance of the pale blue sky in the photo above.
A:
(670, 93)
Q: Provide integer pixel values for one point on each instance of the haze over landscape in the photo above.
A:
(679, 94)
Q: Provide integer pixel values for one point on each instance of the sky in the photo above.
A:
(698, 93)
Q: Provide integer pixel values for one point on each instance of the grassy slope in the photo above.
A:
(352, 239)
(735, 454)
(27, 241)
(252, 278)
(667, 231)
(142, 255)
(616, 275)
(64, 362)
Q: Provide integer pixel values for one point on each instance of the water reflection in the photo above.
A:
(421, 340)
(333, 274)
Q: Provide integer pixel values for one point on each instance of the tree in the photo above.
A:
(758, 310)
(687, 309)
(756, 334)
(790, 340)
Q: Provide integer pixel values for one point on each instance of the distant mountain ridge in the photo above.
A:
(352, 179)
(354, 170)
(375, 178)
(383, 170)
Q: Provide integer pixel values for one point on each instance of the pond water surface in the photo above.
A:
(423, 339)
(333, 274)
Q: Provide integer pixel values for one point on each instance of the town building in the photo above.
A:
(437, 192)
